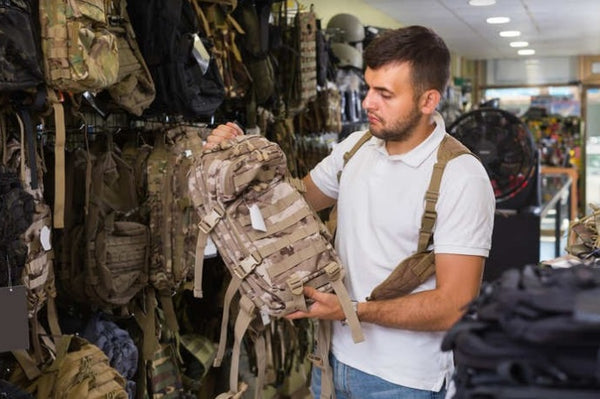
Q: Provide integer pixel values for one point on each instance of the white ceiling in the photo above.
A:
(552, 27)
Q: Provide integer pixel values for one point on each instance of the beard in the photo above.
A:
(399, 130)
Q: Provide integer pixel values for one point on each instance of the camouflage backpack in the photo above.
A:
(173, 220)
(79, 370)
(270, 239)
(37, 273)
(79, 52)
(134, 90)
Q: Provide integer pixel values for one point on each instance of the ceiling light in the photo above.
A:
(481, 2)
(526, 51)
(498, 20)
(519, 44)
(510, 33)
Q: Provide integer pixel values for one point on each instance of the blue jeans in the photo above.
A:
(351, 383)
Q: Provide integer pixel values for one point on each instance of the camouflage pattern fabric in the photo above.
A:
(173, 220)
(584, 240)
(293, 250)
(164, 375)
(38, 272)
(134, 90)
(80, 370)
(270, 239)
(79, 52)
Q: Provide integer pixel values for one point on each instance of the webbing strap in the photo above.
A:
(260, 351)
(334, 272)
(27, 364)
(234, 284)
(146, 319)
(289, 240)
(322, 360)
(449, 149)
(244, 317)
(349, 154)
(166, 300)
(271, 209)
(199, 263)
(248, 176)
(59, 165)
(52, 315)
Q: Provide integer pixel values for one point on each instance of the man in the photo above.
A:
(380, 199)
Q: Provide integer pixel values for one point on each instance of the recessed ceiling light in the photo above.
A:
(526, 51)
(510, 33)
(498, 20)
(519, 44)
(481, 2)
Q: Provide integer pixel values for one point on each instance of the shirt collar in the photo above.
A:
(415, 157)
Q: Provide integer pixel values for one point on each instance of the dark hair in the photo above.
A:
(421, 47)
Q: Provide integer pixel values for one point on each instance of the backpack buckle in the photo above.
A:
(295, 285)
(209, 221)
(246, 266)
(334, 271)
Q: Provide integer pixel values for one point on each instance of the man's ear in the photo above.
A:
(429, 101)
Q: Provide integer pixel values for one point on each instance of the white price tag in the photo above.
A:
(264, 316)
(210, 250)
(256, 218)
(45, 238)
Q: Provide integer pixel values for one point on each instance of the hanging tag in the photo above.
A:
(210, 250)
(264, 316)
(45, 238)
(256, 218)
(200, 54)
(14, 333)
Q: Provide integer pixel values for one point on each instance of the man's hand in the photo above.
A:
(325, 306)
(222, 133)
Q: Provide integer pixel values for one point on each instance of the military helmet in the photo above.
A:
(347, 55)
(350, 27)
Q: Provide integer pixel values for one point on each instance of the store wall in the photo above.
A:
(367, 14)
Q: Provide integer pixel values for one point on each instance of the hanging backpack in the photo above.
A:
(106, 247)
(79, 370)
(134, 90)
(20, 55)
(79, 51)
(185, 75)
(33, 250)
(173, 220)
(270, 239)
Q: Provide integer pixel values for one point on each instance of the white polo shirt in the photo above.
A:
(380, 204)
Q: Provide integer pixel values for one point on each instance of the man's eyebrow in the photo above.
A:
(382, 89)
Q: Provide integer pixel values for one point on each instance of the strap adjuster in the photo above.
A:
(246, 266)
(295, 284)
(334, 271)
(209, 221)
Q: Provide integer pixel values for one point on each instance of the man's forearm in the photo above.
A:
(421, 311)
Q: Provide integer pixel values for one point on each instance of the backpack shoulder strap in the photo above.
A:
(449, 149)
(332, 219)
(349, 154)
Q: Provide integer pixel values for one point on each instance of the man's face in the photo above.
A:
(390, 103)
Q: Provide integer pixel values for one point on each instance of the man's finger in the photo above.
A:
(310, 292)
